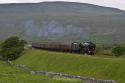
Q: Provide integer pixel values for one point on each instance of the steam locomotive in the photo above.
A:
(75, 47)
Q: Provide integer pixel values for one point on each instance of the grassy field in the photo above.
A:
(9, 74)
(95, 67)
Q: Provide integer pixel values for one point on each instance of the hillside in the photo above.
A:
(62, 21)
(9, 74)
(75, 64)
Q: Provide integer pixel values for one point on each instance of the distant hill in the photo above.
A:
(58, 7)
(62, 21)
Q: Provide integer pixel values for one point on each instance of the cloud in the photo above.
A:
(9, 1)
(110, 3)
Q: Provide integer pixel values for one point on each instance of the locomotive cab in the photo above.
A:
(75, 47)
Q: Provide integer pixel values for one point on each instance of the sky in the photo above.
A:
(120, 4)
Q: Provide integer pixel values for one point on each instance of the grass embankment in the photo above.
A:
(9, 74)
(100, 68)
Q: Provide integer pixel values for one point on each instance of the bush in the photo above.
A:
(118, 50)
(12, 48)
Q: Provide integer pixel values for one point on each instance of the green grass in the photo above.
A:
(95, 67)
(9, 74)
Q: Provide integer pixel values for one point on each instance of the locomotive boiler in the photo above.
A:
(75, 47)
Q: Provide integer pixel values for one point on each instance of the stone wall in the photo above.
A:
(60, 75)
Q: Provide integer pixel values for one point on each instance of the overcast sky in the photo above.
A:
(110, 3)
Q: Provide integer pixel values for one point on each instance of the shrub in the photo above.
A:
(12, 48)
(118, 50)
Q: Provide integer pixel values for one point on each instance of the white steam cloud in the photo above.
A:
(53, 30)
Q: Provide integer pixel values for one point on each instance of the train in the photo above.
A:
(75, 47)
